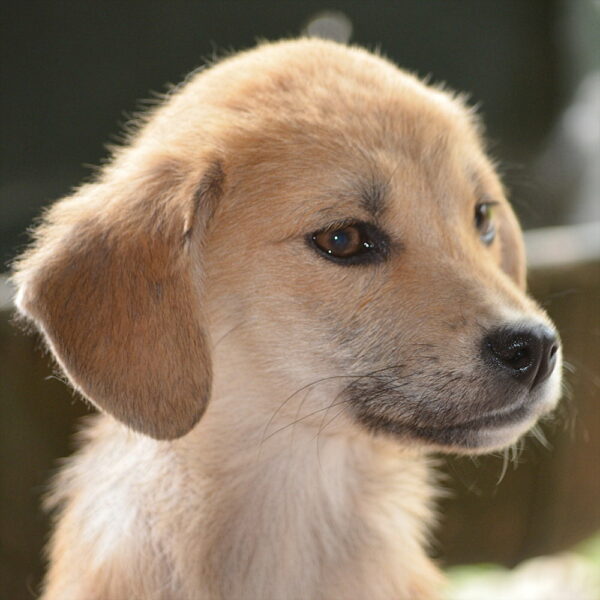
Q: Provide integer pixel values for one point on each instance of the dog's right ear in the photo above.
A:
(114, 282)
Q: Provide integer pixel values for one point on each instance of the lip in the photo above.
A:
(491, 420)
(466, 434)
(489, 430)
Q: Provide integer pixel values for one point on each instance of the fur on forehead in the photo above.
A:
(291, 87)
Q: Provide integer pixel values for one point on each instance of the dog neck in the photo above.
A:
(255, 502)
(298, 512)
(226, 513)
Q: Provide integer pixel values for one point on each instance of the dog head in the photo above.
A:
(337, 220)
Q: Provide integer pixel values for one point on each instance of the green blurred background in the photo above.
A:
(72, 73)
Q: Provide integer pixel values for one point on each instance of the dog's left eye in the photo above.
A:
(484, 222)
(352, 243)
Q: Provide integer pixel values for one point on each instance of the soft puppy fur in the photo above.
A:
(299, 278)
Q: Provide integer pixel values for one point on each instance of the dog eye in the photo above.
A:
(484, 222)
(353, 243)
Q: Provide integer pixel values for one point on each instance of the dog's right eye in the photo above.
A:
(484, 222)
(350, 243)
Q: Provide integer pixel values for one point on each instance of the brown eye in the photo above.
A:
(484, 222)
(350, 244)
(342, 243)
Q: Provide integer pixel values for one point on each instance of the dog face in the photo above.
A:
(325, 221)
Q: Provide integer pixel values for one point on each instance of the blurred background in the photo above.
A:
(73, 73)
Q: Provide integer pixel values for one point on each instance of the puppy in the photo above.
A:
(298, 279)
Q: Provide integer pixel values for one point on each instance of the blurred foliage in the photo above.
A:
(573, 575)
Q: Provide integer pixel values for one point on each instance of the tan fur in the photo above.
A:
(183, 274)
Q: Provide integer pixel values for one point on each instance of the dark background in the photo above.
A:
(73, 73)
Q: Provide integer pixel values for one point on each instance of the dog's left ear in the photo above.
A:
(114, 281)
(512, 247)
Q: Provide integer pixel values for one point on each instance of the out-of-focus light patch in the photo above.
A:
(582, 117)
(570, 165)
(330, 25)
(556, 246)
(562, 577)
(7, 293)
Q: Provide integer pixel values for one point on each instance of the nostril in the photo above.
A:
(515, 354)
(548, 359)
(528, 355)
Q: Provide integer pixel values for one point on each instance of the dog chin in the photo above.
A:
(496, 436)
(484, 433)
(491, 439)
(467, 439)
(474, 439)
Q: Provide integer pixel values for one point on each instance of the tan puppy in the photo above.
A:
(299, 278)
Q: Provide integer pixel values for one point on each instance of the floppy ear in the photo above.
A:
(114, 281)
(512, 246)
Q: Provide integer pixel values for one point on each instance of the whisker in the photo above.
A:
(310, 414)
(333, 403)
(299, 409)
(517, 451)
(289, 398)
(234, 328)
(540, 436)
(321, 429)
(505, 461)
(577, 366)
(376, 374)
(324, 427)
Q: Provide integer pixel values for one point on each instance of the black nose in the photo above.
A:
(527, 354)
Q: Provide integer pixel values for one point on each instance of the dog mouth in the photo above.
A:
(462, 410)
(490, 430)
(475, 433)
